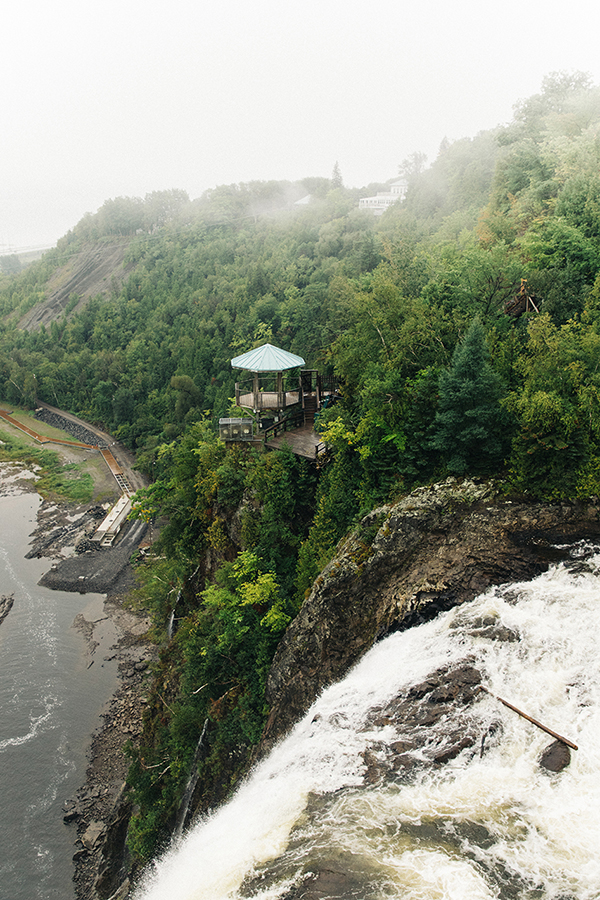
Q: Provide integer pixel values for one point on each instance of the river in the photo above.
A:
(485, 825)
(51, 695)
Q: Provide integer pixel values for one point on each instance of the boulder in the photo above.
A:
(434, 549)
(92, 835)
(555, 757)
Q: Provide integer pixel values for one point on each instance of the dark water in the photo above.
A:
(50, 701)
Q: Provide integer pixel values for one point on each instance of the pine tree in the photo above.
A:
(468, 424)
(336, 177)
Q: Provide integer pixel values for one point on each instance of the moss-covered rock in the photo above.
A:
(437, 547)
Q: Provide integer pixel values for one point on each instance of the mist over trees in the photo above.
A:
(381, 302)
(463, 326)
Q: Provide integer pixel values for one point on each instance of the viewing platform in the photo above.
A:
(284, 399)
(303, 441)
(261, 400)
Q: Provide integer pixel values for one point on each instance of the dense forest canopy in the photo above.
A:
(463, 326)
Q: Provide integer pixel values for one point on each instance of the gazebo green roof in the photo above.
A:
(267, 359)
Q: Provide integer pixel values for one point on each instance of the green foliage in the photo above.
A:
(558, 410)
(336, 505)
(554, 244)
(408, 311)
(224, 649)
(469, 423)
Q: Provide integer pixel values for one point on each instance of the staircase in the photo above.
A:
(310, 409)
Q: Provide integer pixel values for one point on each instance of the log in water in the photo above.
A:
(484, 825)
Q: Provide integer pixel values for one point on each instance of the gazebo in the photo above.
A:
(262, 393)
(284, 417)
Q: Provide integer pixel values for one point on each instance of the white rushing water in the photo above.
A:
(481, 826)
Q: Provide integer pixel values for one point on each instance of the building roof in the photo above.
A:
(267, 359)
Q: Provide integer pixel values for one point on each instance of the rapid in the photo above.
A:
(490, 823)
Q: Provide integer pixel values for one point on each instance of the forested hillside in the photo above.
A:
(463, 327)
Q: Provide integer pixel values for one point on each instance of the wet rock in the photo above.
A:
(375, 769)
(491, 736)
(555, 757)
(327, 884)
(432, 723)
(92, 834)
(491, 629)
(425, 687)
(403, 765)
(402, 746)
(453, 750)
(6, 604)
(122, 892)
(72, 815)
(115, 860)
(435, 549)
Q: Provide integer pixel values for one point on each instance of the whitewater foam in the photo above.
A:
(479, 826)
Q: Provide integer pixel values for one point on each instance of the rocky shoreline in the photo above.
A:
(98, 813)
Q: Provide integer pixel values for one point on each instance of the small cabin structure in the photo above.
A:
(236, 429)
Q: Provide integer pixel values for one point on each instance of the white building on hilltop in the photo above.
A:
(384, 199)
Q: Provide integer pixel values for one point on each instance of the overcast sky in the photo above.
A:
(123, 97)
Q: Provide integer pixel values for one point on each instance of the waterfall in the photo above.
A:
(489, 822)
(171, 622)
(191, 785)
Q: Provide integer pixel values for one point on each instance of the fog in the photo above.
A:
(106, 99)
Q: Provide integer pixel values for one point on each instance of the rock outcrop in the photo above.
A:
(6, 604)
(436, 548)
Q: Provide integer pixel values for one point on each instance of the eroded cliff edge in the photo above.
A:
(438, 547)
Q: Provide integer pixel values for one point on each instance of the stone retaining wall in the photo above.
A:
(78, 432)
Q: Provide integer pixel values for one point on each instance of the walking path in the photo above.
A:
(114, 466)
(42, 439)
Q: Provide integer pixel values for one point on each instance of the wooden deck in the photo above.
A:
(302, 441)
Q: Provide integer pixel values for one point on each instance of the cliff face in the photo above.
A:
(97, 268)
(438, 547)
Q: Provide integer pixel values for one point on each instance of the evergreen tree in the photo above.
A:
(468, 422)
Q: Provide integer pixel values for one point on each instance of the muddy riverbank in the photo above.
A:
(95, 811)
(62, 537)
